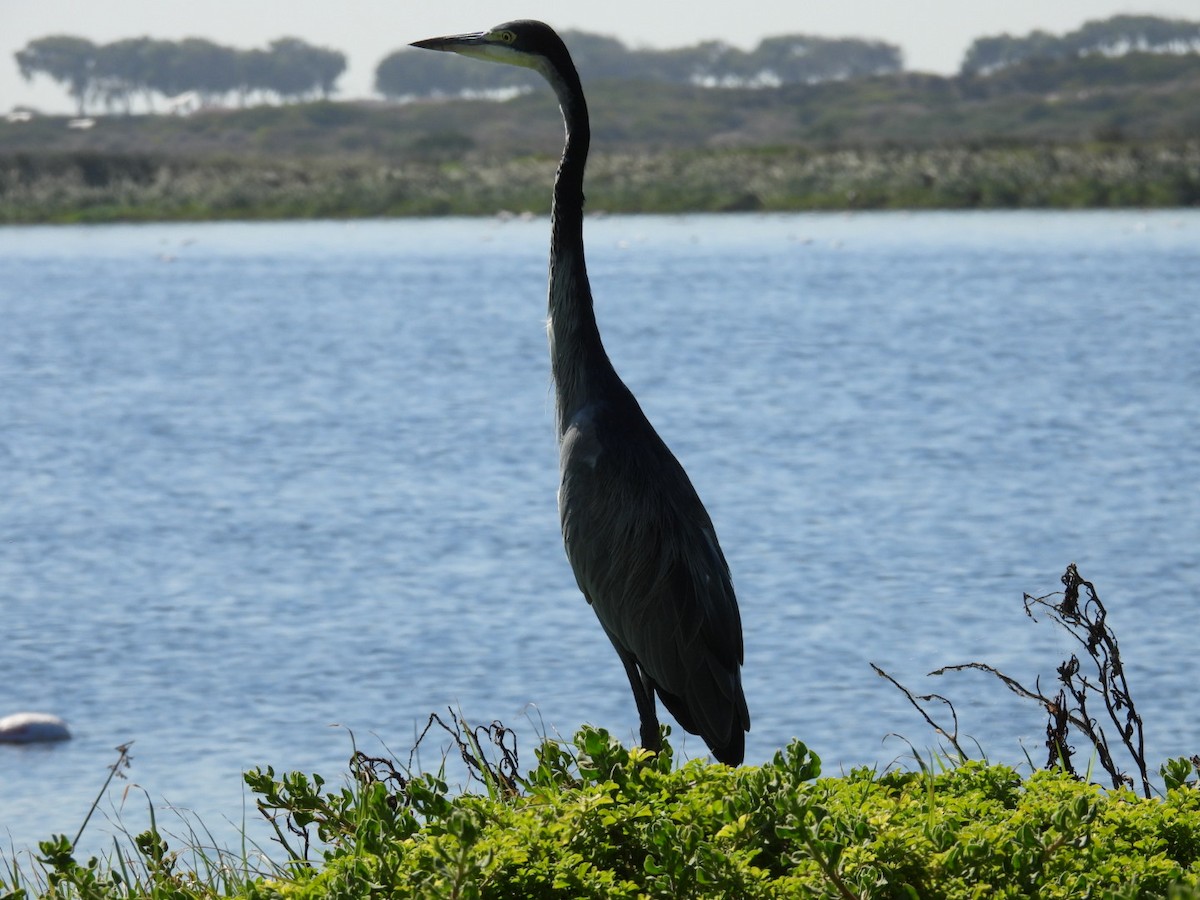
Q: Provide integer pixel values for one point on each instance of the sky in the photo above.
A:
(933, 34)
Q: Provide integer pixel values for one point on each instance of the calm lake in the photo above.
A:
(265, 485)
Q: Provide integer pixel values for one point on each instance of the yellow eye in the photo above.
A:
(507, 36)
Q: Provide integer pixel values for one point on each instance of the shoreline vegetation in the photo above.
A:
(1090, 132)
(96, 186)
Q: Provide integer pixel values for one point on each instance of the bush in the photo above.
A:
(597, 820)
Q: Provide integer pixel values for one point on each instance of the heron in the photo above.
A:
(639, 540)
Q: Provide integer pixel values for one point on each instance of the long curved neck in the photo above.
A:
(576, 354)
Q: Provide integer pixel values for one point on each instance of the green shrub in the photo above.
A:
(598, 820)
(594, 819)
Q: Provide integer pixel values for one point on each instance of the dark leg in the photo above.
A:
(643, 695)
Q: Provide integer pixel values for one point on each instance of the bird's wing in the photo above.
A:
(646, 556)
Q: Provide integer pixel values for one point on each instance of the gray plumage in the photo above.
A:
(642, 546)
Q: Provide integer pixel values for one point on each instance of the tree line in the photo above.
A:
(787, 59)
(114, 74)
(1115, 36)
(290, 69)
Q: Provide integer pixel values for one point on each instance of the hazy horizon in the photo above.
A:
(933, 34)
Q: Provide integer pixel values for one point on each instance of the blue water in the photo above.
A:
(259, 479)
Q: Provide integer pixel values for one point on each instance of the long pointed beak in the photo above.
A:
(455, 43)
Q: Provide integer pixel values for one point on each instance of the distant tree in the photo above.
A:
(297, 69)
(804, 59)
(327, 66)
(157, 57)
(695, 64)
(406, 74)
(289, 76)
(115, 73)
(987, 54)
(254, 73)
(781, 60)
(1125, 34)
(600, 57)
(68, 60)
(126, 68)
(412, 73)
(1114, 36)
(200, 65)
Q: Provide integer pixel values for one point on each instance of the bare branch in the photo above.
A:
(951, 736)
(1077, 609)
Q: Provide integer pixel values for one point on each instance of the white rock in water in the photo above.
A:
(31, 727)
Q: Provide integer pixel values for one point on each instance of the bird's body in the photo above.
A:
(642, 546)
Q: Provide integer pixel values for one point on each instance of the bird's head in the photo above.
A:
(534, 45)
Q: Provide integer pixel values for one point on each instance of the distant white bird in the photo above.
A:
(32, 727)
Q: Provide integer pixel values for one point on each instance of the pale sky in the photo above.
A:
(933, 34)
